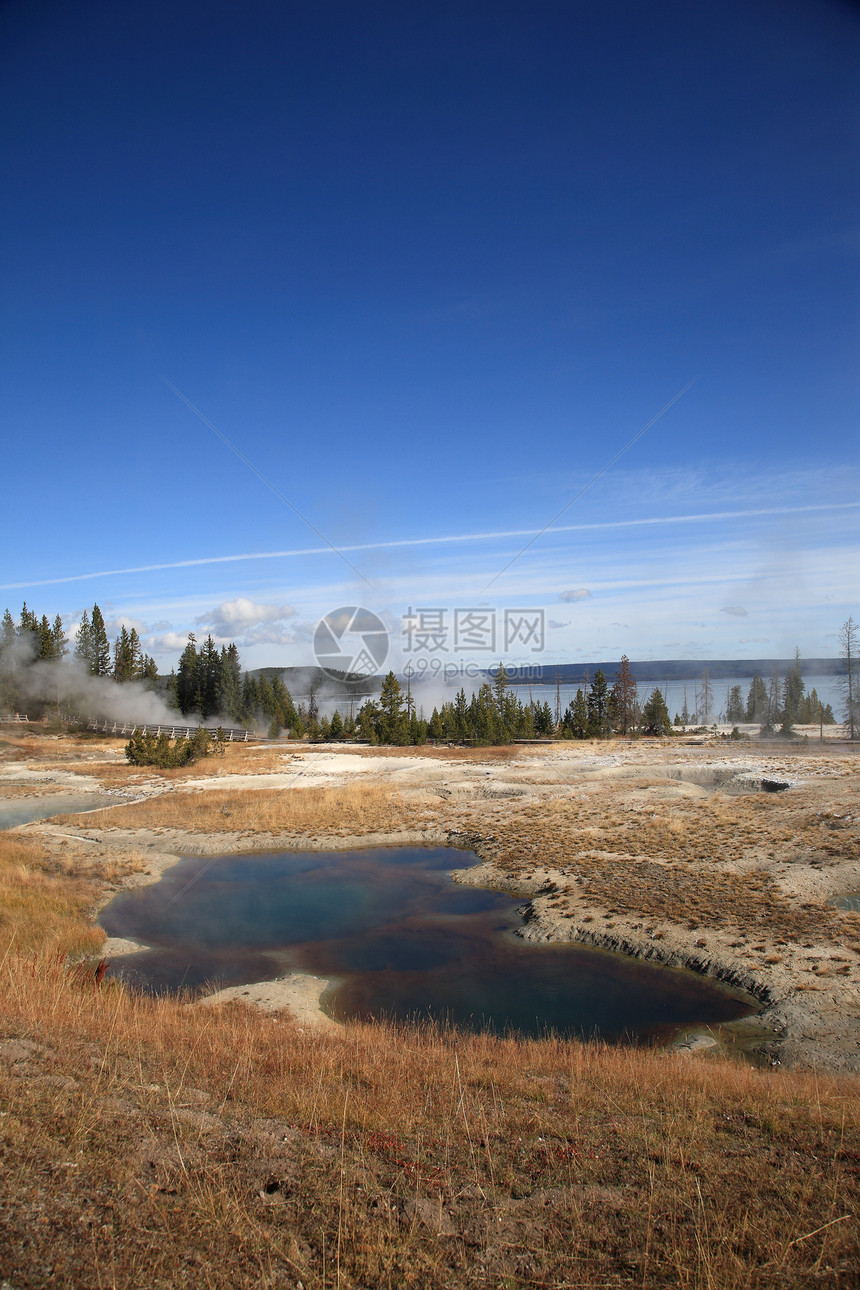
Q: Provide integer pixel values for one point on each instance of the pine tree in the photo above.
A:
(45, 637)
(250, 698)
(814, 712)
(757, 701)
(366, 722)
(734, 705)
(390, 726)
(500, 685)
(598, 706)
(774, 694)
(84, 642)
(186, 677)
(28, 622)
(655, 715)
(578, 722)
(8, 689)
(100, 651)
(459, 715)
(123, 657)
(207, 677)
(484, 716)
(266, 701)
(230, 683)
(61, 647)
(623, 698)
(542, 716)
(792, 694)
(283, 704)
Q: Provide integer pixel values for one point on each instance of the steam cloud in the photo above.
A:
(67, 682)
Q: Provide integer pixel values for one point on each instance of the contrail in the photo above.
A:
(266, 481)
(444, 539)
(586, 487)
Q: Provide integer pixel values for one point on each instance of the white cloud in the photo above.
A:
(113, 626)
(737, 611)
(242, 613)
(578, 593)
(168, 641)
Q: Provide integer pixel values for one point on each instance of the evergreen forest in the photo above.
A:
(209, 685)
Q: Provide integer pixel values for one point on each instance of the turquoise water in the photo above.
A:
(400, 939)
(23, 810)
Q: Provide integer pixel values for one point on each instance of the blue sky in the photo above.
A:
(429, 268)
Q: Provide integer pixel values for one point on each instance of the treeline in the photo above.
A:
(33, 640)
(125, 662)
(209, 682)
(495, 715)
(778, 703)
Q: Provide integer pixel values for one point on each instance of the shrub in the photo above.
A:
(146, 749)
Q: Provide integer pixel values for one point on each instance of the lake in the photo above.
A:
(400, 939)
(674, 692)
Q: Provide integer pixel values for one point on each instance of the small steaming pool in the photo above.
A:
(397, 938)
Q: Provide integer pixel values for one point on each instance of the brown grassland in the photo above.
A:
(355, 809)
(147, 1143)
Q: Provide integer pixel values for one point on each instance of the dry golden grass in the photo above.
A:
(144, 1143)
(40, 905)
(102, 757)
(355, 809)
(237, 759)
(662, 861)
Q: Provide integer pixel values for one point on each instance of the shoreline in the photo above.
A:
(301, 993)
(507, 808)
(800, 1033)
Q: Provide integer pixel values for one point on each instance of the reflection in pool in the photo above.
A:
(400, 939)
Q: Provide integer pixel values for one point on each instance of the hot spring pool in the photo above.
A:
(398, 938)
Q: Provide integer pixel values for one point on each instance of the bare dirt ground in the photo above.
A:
(665, 850)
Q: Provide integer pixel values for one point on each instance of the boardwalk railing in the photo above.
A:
(231, 734)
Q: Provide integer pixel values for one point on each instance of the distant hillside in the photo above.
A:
(299, 680)
(675, 669)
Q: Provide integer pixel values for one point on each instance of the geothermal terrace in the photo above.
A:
(662, 850)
